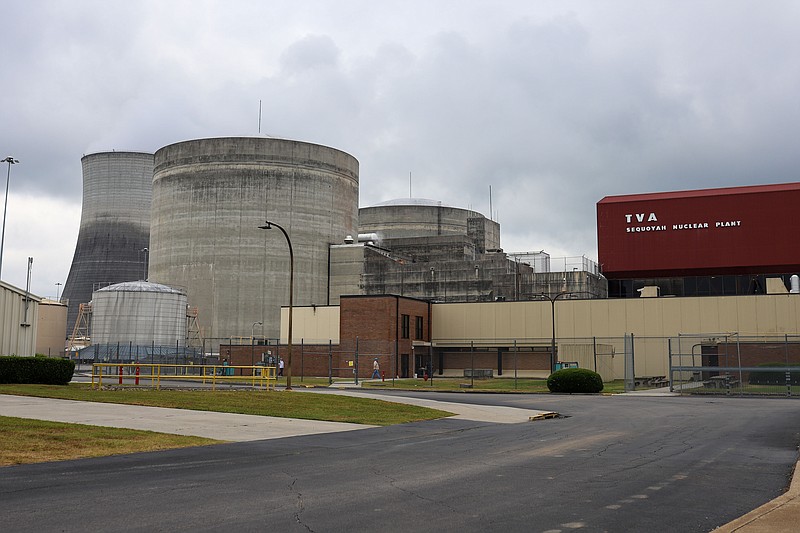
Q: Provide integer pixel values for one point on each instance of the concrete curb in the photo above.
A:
(779, 515)
(463, 411)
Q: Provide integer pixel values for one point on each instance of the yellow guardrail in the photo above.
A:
(134, 373)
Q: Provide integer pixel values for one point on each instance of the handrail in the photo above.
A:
(261, 375)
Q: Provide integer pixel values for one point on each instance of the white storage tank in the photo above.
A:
(139, 313)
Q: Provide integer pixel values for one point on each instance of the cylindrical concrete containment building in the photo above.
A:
(420, 217)
(210, 196)
(115, 225)
(139, 313)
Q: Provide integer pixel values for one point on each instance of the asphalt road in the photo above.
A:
(615, 463)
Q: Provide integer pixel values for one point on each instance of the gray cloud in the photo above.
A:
(553, 104)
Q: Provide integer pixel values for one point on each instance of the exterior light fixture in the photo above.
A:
(11, 161)
(268, 225)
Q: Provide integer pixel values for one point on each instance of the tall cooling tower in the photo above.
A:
(210, 196)
(115, 225)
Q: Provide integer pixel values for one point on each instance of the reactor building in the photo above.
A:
(209, 198)
(426, 249)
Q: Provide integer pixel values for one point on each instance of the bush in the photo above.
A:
(40, 370)
(575, 380)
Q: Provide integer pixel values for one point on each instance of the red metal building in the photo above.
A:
(667, 238)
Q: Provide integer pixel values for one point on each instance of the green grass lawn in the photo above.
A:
(252, 402)
(24, 441)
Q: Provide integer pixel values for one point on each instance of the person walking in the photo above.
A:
(376, 369)
(280, 367)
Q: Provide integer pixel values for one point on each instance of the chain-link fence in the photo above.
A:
(732, 364)
(358, 359)
(343, 361)
(709, 363)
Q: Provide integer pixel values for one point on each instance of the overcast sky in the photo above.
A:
(554, 104)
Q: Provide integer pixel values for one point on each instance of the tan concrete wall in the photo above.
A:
(50, 338)
(651, 320)
(584, 355)
(653, 317)
(346, 268)
(312, 325)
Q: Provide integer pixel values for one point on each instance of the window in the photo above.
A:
(405, 326)
(418, 329)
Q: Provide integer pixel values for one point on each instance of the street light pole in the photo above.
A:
(253, 342)
(268, 225)
(552, 300)
(11, 161)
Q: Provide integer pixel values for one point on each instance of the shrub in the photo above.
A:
(40, 370)
(575, 380)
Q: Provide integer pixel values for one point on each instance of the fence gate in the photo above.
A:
(630, 381)
(732, 364)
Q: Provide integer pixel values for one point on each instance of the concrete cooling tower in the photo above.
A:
(210, 196)
(115, 225)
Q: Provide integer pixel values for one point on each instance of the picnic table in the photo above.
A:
(651, 381)
(725, 381)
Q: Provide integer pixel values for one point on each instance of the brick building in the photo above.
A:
(395, 330)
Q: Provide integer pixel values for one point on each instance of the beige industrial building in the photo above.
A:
(19, 314)
(50, 328)
(501, 331)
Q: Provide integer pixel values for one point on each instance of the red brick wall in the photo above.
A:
(484, 359)
(757, 353)
(375, 322)
(307, 359)
(243, 354)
